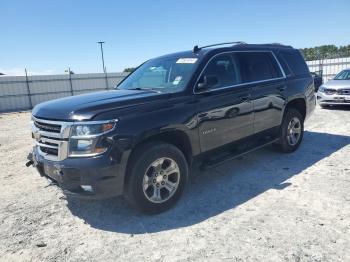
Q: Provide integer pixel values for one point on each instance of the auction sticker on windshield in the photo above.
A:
(186, 61)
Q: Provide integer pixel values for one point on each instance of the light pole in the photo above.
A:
(103, 61)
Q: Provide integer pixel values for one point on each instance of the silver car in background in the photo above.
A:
(335, 91)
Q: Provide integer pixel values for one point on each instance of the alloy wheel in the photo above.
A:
(161, 180)
(293, 131)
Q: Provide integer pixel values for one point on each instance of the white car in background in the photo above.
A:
(335, 91)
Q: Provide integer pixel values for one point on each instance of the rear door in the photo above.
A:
(224, 109)
(261, 71)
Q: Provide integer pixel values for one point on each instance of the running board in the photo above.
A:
(230, 155)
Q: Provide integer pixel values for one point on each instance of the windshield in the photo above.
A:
(161, 74)
(343, 75)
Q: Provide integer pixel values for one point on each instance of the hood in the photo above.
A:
(87, 106)
(337, 84)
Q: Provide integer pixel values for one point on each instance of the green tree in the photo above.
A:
(129, 69)
(325, 51)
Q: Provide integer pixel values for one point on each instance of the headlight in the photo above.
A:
(90, 130)
(86, 138)
(327, 91)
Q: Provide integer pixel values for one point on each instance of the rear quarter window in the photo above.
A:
(295, 62)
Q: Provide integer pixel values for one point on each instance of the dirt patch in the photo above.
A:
(264, 206)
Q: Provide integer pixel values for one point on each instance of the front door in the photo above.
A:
(225, 110)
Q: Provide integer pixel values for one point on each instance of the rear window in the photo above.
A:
(295, 62)
(257, 66)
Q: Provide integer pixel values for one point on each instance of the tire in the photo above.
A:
(286, 143)
(153, 194)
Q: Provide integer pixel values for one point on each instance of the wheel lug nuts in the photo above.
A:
(163, 183)
(164, 176)
(157, 185)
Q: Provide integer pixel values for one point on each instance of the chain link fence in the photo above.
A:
(328, 68)
(24, 92)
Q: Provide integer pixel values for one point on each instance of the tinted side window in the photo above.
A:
(257, 66)
(284, 65)
(224, 68)
(295, 61)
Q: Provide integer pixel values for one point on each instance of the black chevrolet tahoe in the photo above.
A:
(205, 106)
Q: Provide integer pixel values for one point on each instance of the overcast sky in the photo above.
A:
(47, 37)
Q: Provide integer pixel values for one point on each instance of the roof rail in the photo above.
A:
(196, 48)
(279, 44)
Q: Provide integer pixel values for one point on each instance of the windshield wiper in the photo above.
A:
(145, 88)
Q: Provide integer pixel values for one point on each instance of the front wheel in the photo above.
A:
(156, 178)
(292, 131)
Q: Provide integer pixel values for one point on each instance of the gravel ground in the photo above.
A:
(265, 206)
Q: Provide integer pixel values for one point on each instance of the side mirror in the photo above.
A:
(208, 81)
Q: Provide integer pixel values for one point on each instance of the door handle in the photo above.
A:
(281, 88)
(244, 98)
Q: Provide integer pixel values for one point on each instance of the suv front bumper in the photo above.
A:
(334, 99)
(102, 175)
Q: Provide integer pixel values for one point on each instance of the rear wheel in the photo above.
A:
(292, 131)
(156, 178)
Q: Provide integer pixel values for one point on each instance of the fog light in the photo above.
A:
(87, 188)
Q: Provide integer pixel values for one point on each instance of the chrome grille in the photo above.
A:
(49, 150)
(343, 91)
(48, 127)
(51, 138)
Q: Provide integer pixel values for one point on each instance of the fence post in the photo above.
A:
(320, 66)
(28, 90)
(70, 82)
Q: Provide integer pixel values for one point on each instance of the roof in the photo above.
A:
(202, 51)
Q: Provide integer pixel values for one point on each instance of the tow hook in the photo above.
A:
(30, 163)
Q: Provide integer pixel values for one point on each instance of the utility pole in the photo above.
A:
(103, 60)
(70, 81)
(103, 63)
(28, 90)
